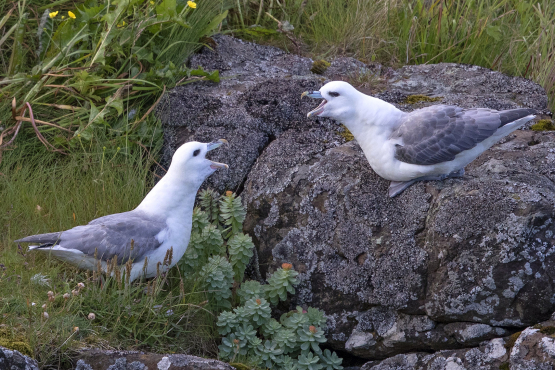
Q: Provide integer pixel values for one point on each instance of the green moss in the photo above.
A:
(512, 339)
(504, 366)
(13, 342)
(548, 330)
(413, 99)
(537, 326)
(319, 66)
(543, 125)
(347, 135)
(240, 366)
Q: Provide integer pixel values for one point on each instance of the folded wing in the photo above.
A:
(438, 133)
(108, 236)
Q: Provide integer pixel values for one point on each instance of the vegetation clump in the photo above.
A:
(346, 134)
(14, 342)
(413, 99)
(543, 125)
(548, 330)
(512, 340)
(319, 66)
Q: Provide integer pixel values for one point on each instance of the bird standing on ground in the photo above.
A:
(432, 143)
(162, 222)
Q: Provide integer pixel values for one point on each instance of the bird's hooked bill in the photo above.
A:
(215, 144)
(218, 165)
(317, 95)
(313, 94)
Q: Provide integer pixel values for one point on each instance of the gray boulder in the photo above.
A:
(96, 359)
(445, 265)
(531, 349)
(15, 360)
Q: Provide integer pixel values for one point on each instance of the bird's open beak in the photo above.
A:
(215, 144)
(317, 95)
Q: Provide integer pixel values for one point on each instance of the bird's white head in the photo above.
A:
(189, 161)
(340, 100)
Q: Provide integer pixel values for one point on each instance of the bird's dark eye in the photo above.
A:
(196, 152)
(334, 94)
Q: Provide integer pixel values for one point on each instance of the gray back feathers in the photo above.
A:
(109, 236)
(438, 133)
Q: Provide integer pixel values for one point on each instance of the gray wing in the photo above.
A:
(438, 133)
(109, 236)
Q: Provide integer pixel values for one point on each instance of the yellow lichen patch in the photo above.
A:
(319, 66)
(512, 339)
(543, 125)
(347, 135)
(14, 342)
(413, 99)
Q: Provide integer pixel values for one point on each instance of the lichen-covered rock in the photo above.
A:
(532, 349)
(15, 360)
(135, 360)
(488, 356)
(445, 265)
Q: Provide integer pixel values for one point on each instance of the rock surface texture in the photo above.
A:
(531, 349)
(131, 360)
(15, 360)
(444, 266)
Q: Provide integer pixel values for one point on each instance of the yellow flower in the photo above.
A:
(63, 16)
(152, 3)
(53, 14)
(121, 24)
(192, 4)
(71, 15)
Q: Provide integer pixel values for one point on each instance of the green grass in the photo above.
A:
(43, 192)
(512, 36)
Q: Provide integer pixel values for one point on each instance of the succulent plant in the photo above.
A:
(250, 289)
(281, 282)
(227, 322)
(259, 311)
(232, 213)
(311, 337)
(287, 339)
(330, 360)
(309, 362)
(218, 277)
(240, 248)
(270, 353)
(270, 328)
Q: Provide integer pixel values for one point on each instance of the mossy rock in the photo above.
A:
(543, 125)
(413, 99)
(319, 66)
(504, 366)
(14, 342)
(346, 134)
(240, 366)
(548, 330)
(512, 340)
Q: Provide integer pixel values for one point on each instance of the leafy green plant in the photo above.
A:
(100, 68)
(292, 343)
(249, 332)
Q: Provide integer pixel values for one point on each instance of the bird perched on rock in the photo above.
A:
(145, 235)
(432, 143)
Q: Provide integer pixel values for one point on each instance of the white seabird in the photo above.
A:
(431, 143)
(161, 222)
